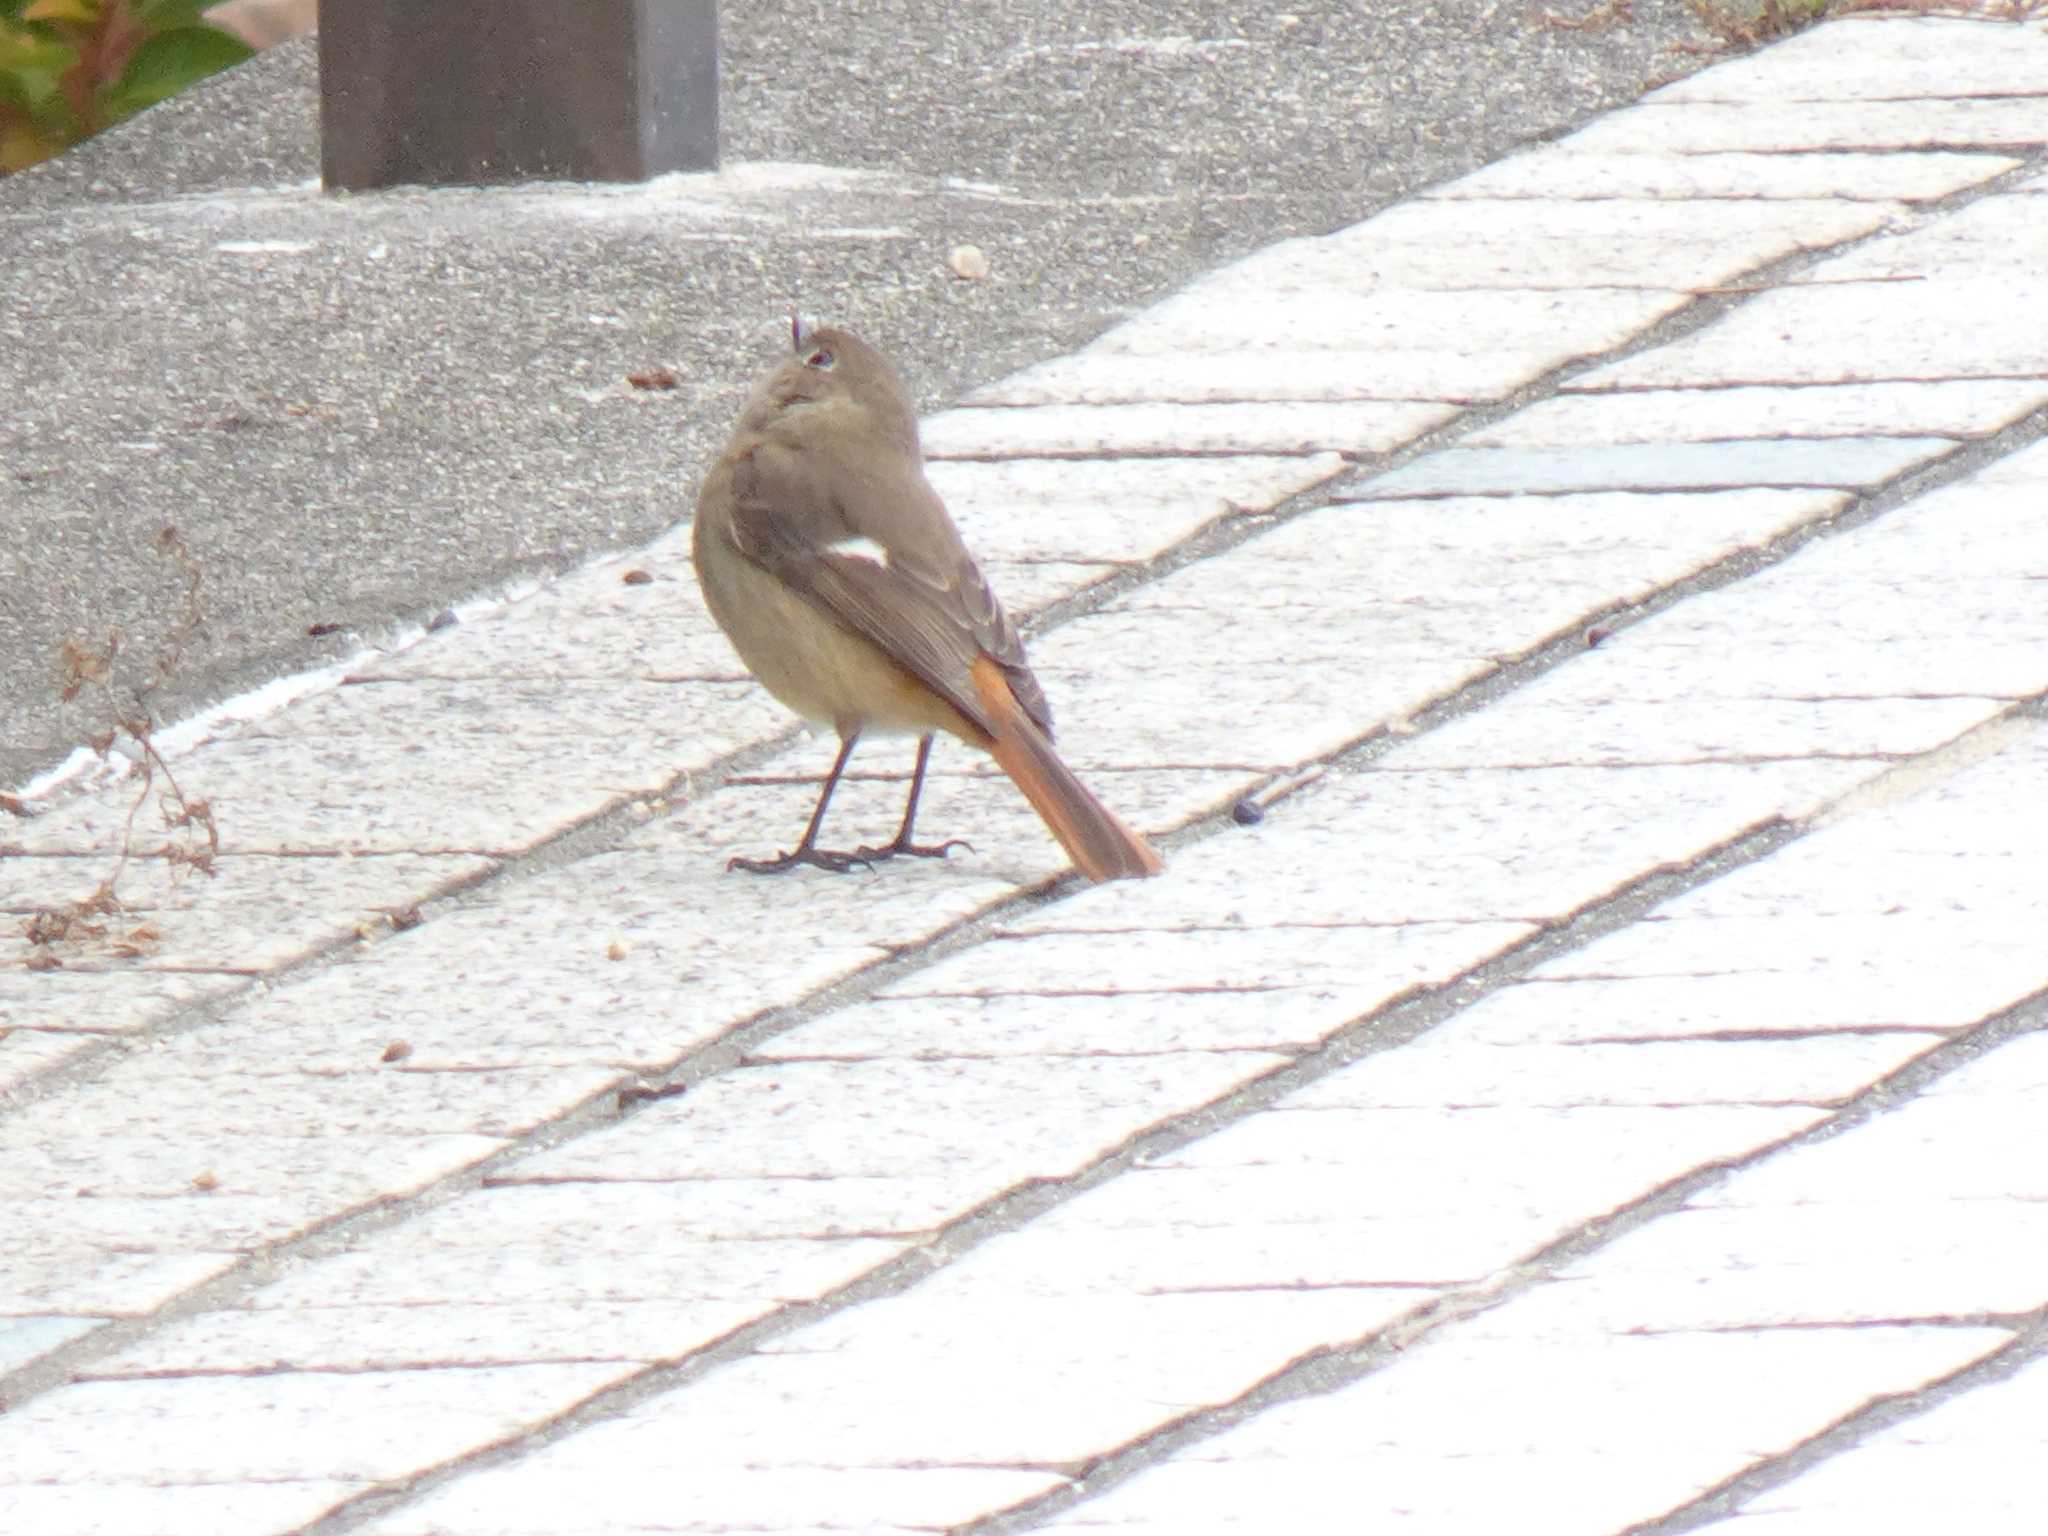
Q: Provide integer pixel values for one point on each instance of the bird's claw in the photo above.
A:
(818, 858)
(915, 850)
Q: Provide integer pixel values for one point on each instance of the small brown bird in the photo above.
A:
(830, 563)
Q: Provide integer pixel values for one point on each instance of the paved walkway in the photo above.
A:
(1603, 1093)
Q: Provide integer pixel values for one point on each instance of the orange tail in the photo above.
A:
(1101, 847)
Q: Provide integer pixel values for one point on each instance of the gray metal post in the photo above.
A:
(460, 92)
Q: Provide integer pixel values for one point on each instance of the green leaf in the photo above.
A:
(31, 52)
(163, 15)
(166, 64)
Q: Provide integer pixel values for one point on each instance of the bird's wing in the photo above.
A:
(884, 559)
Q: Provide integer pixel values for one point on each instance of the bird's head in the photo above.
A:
(834, 372)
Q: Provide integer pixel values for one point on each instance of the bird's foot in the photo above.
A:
(913, 850)
(818, 858)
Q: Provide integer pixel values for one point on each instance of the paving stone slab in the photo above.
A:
(1895, 177)
(1854, 462)
(1618, 730)
(1472, 1068)
(75, 1218)
(1115, 510)
(255, 914)
(1819, 937)
(685, 722)
(716, 1499)
(26, 1053)
(1104, 431)
(150, 1509)
(1720, 127)
(1547, 1436)
(1374, 1196)
(1790, 632)
(81, 1281)
(1947, 408)
(401, 1421)
(1969, 1460)
(1569, 243)
(1855, 332)
(1815, 1266)
(1605, 1007)
(719, 1205)
(1990, 239)
(1833, 950)
(434, 1335)
(1310, 331)
(1944, 333)
(586, 623)
(259, 1163)
(24, 1339)
(1328, 1136)
(1291, 695)
(1517, 845)
(1269, 369)
(410, 1268)
(1888, 58)
(1396, 604)
(469, 991)
(1474, 549)
(387, 794)
(1900, 1158)
(922, 1019)
(759, 1122)
(159, 1094)
(1313, 295)
(93, 1002)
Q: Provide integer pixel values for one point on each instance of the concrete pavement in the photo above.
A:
(1601, 1094)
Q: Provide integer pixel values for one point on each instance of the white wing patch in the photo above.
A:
(860, 547)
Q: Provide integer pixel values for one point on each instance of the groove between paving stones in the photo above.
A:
(1398, 1022)
(600, 832)
(1342, 1365)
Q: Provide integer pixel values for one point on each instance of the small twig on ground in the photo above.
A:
(195, 838)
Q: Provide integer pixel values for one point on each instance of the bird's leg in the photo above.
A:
(903, 844)
(808, 851)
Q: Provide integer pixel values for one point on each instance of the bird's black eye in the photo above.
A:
(821, 359)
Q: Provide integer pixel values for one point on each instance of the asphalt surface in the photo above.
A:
(393, 411)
